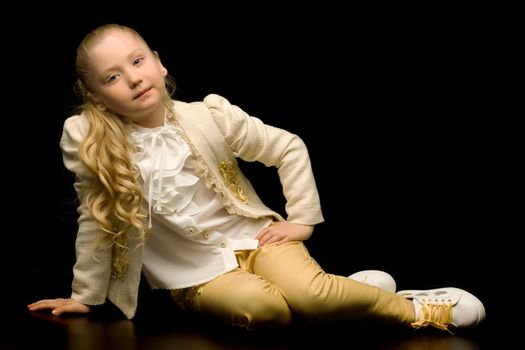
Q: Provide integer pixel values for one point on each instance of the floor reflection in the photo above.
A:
(45, 331)
(433, 342)
(83, 332)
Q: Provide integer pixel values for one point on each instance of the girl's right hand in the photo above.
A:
(60, 306)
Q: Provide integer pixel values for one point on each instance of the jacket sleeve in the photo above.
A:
(92, 270)
(252, 140)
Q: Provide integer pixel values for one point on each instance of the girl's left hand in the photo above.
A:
(60, 306)
(282, 232)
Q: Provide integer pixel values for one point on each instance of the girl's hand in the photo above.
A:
(60, 306)
(282, 232)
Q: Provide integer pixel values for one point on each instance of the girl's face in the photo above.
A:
(128, 78)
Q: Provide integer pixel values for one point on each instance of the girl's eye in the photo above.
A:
(138, 60)
(112, 78)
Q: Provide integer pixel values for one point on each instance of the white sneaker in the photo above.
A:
(375, 278)
(442, 307)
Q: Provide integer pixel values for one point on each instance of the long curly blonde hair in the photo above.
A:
(115, 196)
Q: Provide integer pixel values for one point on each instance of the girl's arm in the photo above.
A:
(252, 140)
(92, 269)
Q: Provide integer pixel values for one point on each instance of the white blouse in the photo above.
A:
(194, 238)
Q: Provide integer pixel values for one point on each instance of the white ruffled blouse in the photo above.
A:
(193, 236)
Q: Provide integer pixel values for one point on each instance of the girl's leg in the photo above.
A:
(317, 295)
(239, 298)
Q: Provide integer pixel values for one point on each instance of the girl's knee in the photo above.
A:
(249, 306)
(271, 312)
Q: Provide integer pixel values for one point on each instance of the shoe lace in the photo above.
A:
(437, 315)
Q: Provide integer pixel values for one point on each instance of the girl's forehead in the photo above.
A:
(119, 37)
(113, 50)
(115, 44)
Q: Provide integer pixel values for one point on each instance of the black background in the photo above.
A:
(405, 113)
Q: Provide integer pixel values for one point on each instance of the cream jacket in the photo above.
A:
(217, 133)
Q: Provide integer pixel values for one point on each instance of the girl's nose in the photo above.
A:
(134, 79)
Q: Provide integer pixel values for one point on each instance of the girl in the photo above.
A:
(161, 193)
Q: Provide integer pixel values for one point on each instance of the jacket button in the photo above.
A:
(206, 235)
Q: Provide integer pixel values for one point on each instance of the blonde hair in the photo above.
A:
(115, 196)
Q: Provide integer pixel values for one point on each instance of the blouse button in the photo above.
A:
(190, 229)
(223, 244)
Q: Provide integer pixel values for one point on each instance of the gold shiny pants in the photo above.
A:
(273, 280)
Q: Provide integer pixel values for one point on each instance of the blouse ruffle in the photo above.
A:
(161, 156)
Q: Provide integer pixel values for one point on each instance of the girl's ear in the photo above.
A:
(92, 97)
(100, 106)
(163, 69)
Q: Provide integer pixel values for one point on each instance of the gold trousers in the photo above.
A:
(275, 281)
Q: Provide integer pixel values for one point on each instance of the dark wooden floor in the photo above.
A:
(42, 331)
(159, 325)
